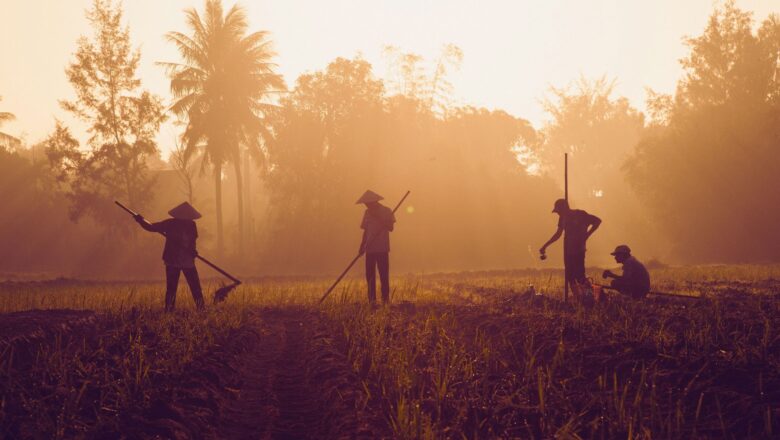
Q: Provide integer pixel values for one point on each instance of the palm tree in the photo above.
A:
(222, 88)
(5, 116)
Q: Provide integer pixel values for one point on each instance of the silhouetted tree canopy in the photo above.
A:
(221, 89)
(699, 169)
(708, 167)
(337, 134)
(123, 123)
(599, 132)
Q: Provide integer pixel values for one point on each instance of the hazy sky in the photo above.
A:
(513, 49)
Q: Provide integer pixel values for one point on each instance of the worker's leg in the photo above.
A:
(621, 286)
(371, 277)
(574, 267)
(577, 267)
(191, 274)
(171, 284)
(383, 264)
(632, 290)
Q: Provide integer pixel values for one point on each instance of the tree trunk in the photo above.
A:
(250, 233)
(240, 195)
(218, 197)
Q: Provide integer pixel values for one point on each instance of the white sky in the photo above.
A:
(513, 49)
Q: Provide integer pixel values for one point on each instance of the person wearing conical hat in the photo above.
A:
(378, 221)
(179, 252)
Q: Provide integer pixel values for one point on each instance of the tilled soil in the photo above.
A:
(272, 396)
(22, 332)
(283, 373)
(283, 379)
(280, 376)
(293, 384)
(32, 324)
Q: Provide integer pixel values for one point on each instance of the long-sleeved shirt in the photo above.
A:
(180, 236)
(378, 223)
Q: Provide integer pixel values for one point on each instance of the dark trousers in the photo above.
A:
(627, 288)
(574, 266)
(379, 261)
(172, 283)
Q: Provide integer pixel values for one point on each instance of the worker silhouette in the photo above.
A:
(377, 224)
(635, 281)
(576, 226)
(179, 252)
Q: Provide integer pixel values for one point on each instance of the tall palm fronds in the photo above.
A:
(221, 88)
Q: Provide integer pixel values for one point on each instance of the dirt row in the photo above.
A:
(279, 376)
(283, 380)
(709, 381)
(22, 332)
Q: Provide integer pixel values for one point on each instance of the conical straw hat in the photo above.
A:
(368, 197)
(185, 211)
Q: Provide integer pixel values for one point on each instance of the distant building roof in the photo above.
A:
(9, 142)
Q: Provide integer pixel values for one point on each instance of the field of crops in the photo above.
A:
(467, 355)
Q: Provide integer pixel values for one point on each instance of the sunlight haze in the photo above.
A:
(513, 50)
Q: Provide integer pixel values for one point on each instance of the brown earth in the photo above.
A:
(279, 377)
(284, 373)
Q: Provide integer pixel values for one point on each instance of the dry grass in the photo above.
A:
(467, 355)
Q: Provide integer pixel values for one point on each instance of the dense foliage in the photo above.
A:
(707, 167)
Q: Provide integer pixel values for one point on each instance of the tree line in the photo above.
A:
(698, 169)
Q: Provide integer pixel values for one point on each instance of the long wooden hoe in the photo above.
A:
(221, 293)
(672, 295)
(360, 254)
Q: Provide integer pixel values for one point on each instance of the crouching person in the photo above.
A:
(179, 252)
(635, 280)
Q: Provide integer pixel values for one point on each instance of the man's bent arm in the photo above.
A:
(594, 224)
(151, 227)
(552, 239)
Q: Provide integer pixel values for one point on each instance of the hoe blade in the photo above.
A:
(222, 293)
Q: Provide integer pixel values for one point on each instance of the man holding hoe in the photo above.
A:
(377, 224)
(179, 252)
(576, 226)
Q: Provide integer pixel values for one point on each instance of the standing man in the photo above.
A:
(377, 224)
(179, 252)
(576, 226)
(635, 280)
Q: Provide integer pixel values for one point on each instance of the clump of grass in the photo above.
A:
(91, 380)
(499, 366)
(458, 355)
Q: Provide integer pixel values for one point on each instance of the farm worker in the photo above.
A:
(576, 226)
(635, 280)
(179, 252)
(377, 224)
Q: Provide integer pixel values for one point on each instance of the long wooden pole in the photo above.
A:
(357, 257)
(565, 196)
(203, 259)
(566, 176)
(669, 294)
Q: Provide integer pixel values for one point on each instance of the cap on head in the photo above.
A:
(368, 197)
(185, 211)
(561, 205)
(622, 250)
